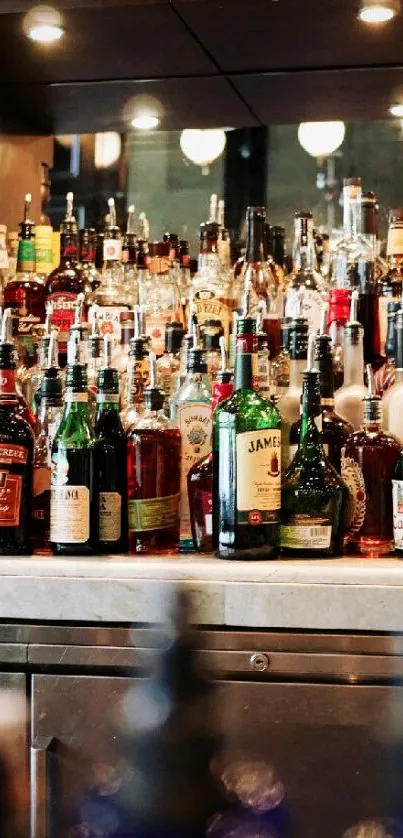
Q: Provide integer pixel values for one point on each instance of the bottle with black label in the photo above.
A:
(110, 457)
(16, 455)
(72, 490)
(313, 496)
(247, 461)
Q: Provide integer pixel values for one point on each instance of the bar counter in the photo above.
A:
(348, 594)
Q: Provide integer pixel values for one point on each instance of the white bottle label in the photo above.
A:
(258, 476)
(70, 514)
(195, 425)
(306, 536)
(311, 306)
(112, 250)
(108, 318)
(110, 509)
(397, 494)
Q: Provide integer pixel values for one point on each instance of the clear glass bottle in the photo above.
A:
(86, 252)
(313, 496)
(349, 397)
(211, 287)
(370, 455)
(49, 416)
(247, 466)
(390, 284)
(354, 259)
(200, 475)
(258, 276)
(138, 377)
(153, 476)
(25, 293)
(280, 366)
(110, 296)
(168, 365)
(159, 295)
(129, 260)
(110, 455)
(65, 282)
(306, 286)
(72, 524)
(191, 410)
(127, 321)
(212, 332)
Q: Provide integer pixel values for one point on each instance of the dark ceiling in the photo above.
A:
(207, 62)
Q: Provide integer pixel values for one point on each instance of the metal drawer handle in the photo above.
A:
(260, 661)
(39, 785)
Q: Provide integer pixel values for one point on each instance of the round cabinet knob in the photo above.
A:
(260, 662)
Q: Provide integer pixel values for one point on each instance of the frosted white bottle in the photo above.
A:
(348, 399)
(289, 402)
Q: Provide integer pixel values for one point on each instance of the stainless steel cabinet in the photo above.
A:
(337, 746)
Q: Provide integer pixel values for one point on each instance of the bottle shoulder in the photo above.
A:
(244, 403)
(373, 438)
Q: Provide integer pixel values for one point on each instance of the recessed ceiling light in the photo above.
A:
(44, 25)
(145, 121)
(378, 11)
(396, 110)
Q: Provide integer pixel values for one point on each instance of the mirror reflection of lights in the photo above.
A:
(43, 24)
(108, 147)
(145, 122)
(321, 139)
(396, 110)
(378, 11)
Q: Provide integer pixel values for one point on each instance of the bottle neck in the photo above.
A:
(26, 259)
(256, 240)
(304, 245)
(297, 368)
(310, 440)
(246, 375)
(353, 356)
(352, 212)
(76, 395)
(324, 362)
(68, 249)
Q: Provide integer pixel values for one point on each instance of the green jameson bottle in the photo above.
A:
(246, 464)
(314, 497)
(72, 482)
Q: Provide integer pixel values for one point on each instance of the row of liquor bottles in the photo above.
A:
(82, 476)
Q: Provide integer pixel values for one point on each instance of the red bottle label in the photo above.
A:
(220, 393)
(7, 382)
(11, 484)
(63, 315)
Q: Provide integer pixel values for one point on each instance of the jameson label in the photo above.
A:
(258, 476)
(26, 256)
(108, 318)
(63, 315)
(110, 510)
(305, 533)
(397, 494)
(69, 514)
(210, 307)
(155, 329)
(195, 424)
(154, 513)
(44, 249)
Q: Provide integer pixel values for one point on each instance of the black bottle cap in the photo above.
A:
(196, 361)
(286, 324)
(246, 326)
(108, 380)
(224, 377)
(95, 346)
(173, 336)
(153, 398)
(372, 409)
(51, 385)
(310, 396)
(138, 348)
(255, 212)
(77, 377)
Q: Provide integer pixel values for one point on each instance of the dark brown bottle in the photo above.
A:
(16, 457)
(66, 281)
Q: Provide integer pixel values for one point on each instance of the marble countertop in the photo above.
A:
(339, 594)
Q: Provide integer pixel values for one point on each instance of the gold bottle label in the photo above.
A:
(154, 513)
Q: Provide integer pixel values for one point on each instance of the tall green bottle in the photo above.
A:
(247, 461)
(72, 487)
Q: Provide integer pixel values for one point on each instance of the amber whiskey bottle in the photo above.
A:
(66, 281)
(153, 476)
(16, 457)
(25, 293)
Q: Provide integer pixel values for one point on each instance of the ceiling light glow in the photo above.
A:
(396, 110)
(145, 121)
(203, 146)
(378, 11)
(43, 24)
(320, 139)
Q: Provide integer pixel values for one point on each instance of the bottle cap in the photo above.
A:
(138, 348)
(339, 305)
(285, 332)
(372, 402)
(196, 361)
(256, 212)
(246, 326)
(51, 385)
(173, 336)
(212, 331)
(298, 340)
(352, 181)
